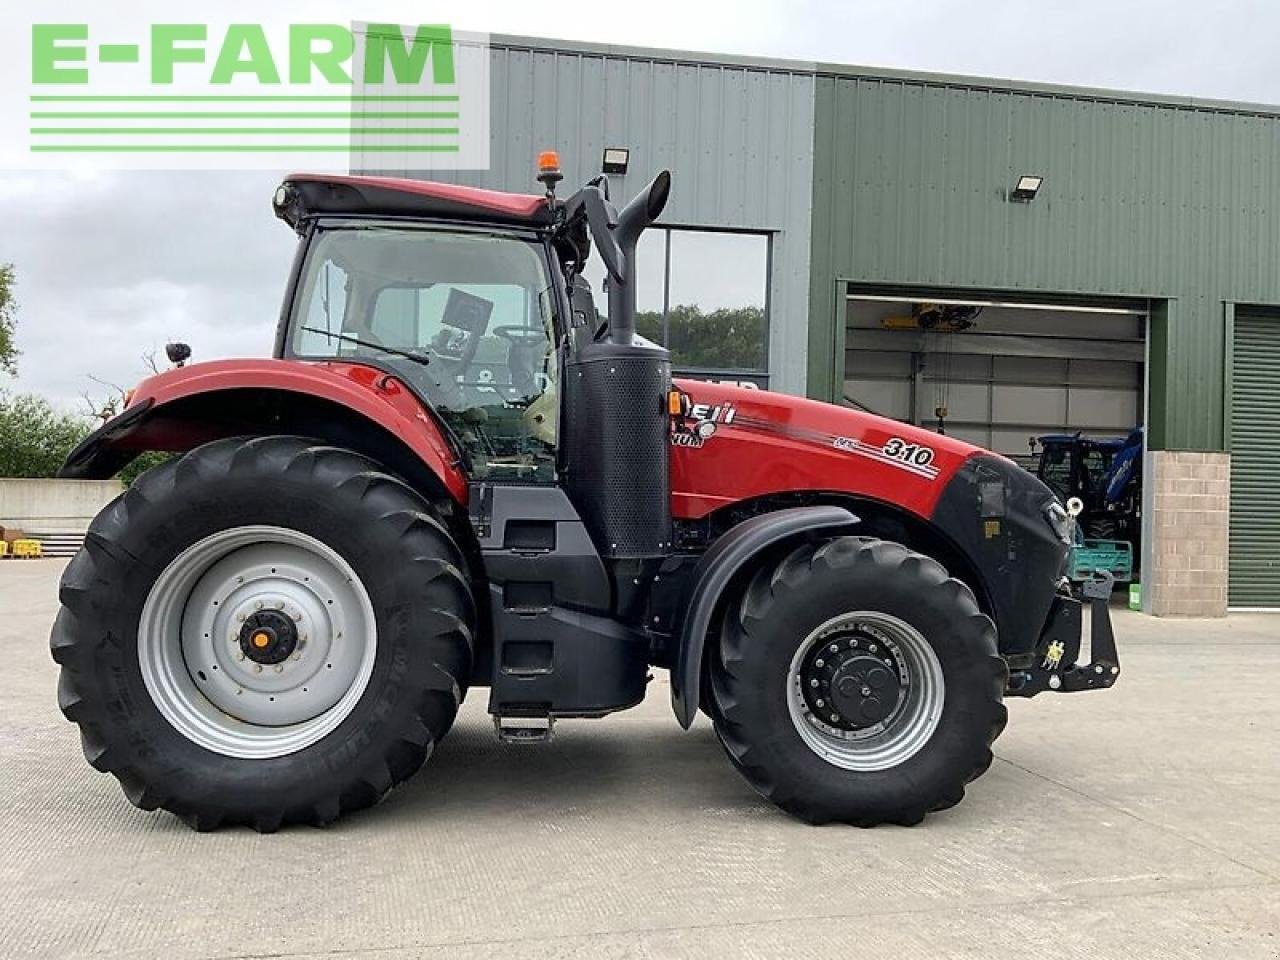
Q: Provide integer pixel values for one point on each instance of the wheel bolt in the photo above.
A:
(240, 617)
(279, 667)
(872, 648)
(835, 718)
(239, 656)
(297, 615)
(819, 663)
(257, 668)
(820, 703)
(866, 691)
(813, 683)
(835, 648)
(259, 605)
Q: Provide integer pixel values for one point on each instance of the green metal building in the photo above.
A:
(815, 206)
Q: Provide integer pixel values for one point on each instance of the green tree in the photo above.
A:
(8, 346)
(34, 437)
(724, 339)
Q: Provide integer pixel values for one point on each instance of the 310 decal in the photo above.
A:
(913, 457)
(913, 453)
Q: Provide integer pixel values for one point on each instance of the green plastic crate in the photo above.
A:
(1089, 556)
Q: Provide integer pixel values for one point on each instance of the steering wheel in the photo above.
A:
(520, 336)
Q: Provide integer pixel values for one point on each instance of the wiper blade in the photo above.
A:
(419, 358)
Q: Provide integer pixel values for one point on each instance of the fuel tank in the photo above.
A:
(734, 443)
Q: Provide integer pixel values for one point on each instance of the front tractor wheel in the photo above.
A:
(856, 682)
(263, 632)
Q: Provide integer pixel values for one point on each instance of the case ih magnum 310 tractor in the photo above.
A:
(454, 474)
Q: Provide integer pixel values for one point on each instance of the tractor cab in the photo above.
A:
(467, 318)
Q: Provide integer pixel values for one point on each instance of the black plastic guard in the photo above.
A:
(717, 569)
(98, 456)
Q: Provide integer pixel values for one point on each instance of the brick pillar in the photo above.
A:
(1187, 572)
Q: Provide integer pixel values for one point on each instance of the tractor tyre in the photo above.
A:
(263, 632)
(856, 682)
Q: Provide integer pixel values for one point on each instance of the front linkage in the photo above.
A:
(1055, 666)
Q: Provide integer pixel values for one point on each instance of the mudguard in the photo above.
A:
(716, 570)
(159, 415)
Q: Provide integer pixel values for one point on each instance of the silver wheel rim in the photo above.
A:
(203, 677)
(913, 721)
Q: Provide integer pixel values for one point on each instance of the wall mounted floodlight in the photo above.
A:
(616, 160)
(1026, 188)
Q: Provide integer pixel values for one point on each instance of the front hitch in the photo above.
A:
(1055, 667)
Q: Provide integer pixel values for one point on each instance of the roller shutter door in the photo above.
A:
(1255, 464)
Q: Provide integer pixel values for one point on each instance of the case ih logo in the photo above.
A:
(700, 423)
(332, 96)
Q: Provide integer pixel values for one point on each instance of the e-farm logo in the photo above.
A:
(381, 96)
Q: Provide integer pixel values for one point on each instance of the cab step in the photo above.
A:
(518, 729)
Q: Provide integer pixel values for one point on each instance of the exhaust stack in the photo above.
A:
(635, 217)
(616, 427)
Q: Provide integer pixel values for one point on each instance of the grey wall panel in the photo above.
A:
(737, 137)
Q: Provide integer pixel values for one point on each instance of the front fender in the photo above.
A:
(729, 555)
(183, 408)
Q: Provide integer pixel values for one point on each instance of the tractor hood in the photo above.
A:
(734, 443)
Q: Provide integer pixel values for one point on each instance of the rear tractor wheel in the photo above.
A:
(856, 682)
(263, 632)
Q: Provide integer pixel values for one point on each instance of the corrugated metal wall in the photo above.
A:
(1255, 450)
(1168, 201)
(737, 137)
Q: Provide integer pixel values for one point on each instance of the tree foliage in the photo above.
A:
(724, 339)
(35, 438)
(8, 307)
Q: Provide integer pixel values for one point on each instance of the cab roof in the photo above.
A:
(303, 196)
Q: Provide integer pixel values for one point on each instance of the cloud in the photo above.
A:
(111, 265)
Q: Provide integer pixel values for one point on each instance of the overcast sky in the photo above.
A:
(112, 265)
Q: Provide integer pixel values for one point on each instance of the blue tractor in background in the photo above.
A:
(1106, 476)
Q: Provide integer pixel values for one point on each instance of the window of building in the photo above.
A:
(704, 295)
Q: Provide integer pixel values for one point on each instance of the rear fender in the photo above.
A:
(347, 404)
(730, 555)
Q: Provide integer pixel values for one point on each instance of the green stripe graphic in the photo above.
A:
(235, 131)
(241, 148)
(225, 115)
(170, 98)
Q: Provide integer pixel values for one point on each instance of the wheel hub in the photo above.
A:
(268, 637)
(865, 690)
(853, 681)
(257, 641)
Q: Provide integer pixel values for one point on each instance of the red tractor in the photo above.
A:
(454, 473)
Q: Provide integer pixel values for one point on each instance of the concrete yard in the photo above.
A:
(1140, 822)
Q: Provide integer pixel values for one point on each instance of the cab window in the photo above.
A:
(473, 312)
